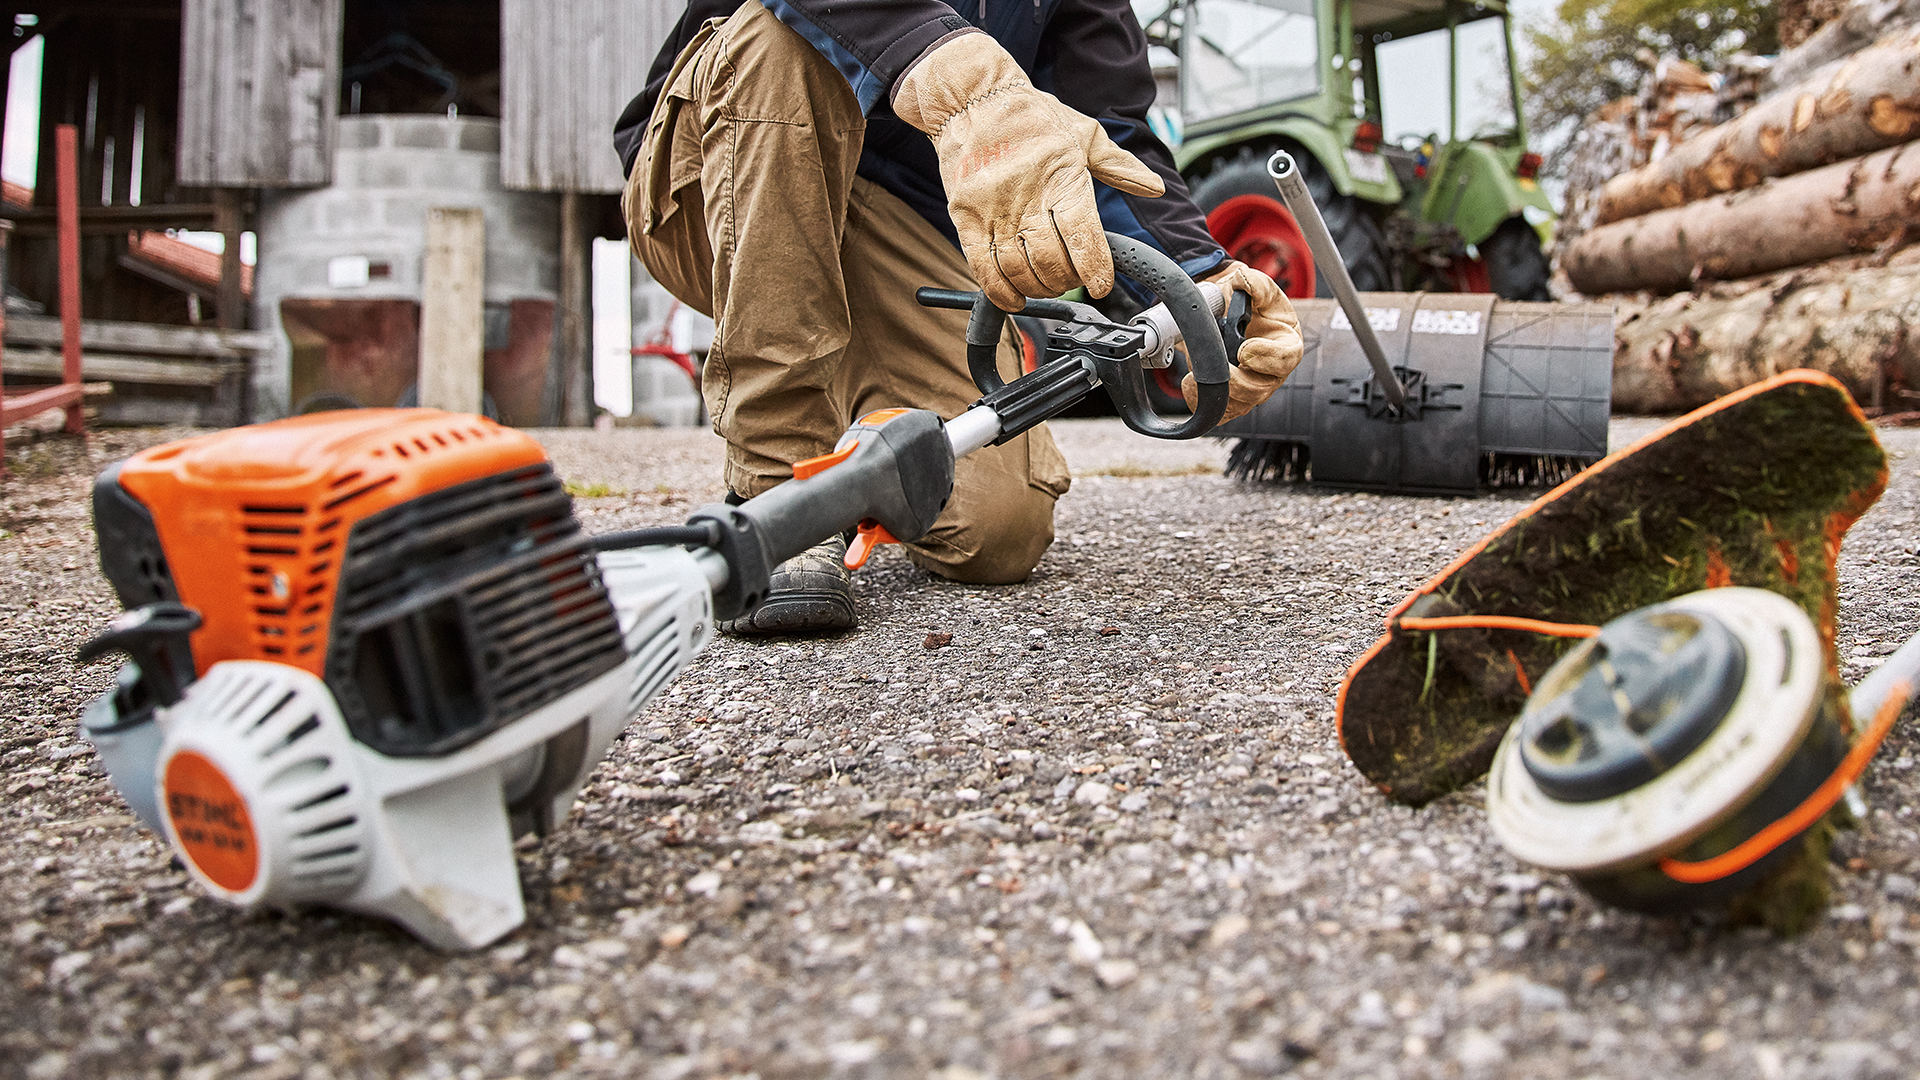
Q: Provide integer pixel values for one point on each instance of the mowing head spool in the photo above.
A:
(1680, 758)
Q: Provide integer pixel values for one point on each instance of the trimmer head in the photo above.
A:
(1676, 760)
(1754, 489)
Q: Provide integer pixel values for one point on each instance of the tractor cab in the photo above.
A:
(1404, 116)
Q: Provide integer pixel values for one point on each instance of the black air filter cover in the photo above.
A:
(461, 611)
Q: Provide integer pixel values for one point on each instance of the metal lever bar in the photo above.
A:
(1293, 192)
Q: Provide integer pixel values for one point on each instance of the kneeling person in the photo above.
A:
(796, 168)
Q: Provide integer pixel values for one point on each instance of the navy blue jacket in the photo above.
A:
(1091, 54)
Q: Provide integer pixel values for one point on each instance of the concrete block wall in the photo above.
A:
(388, 171)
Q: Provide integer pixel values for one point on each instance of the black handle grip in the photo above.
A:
(1125, 382)
(900, 475)
(1206, 352)
(156, 638)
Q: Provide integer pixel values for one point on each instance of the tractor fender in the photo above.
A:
(1491, 195)
(1314, 137)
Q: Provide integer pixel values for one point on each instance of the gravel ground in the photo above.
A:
(1104, 829)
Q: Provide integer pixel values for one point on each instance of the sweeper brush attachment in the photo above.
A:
(1498, 393)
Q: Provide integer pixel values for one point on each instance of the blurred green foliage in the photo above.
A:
(1593, 51)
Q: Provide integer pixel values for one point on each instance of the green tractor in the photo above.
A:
(1404, 116)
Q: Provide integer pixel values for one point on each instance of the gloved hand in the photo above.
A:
(1272, 347)
(1019, 169)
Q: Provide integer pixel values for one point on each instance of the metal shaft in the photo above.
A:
(1898, 674)
(1293, 192)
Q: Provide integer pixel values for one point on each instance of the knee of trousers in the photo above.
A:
(996, 542)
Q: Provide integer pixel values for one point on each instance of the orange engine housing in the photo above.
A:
(426, 564)
(253, 519)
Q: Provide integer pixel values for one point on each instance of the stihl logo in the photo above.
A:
(200, 821)
(984, 158)
(209, 819)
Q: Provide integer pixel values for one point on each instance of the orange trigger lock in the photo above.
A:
(816, 465)
(871, 534)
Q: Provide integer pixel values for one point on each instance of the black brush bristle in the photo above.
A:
(1271, 460)
(1528, 470)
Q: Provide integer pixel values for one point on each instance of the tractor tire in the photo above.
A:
(1163, 387)
(1516, 267)
(1263, 233)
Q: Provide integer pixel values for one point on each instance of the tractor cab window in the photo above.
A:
(1414, 100)
(1241, 54)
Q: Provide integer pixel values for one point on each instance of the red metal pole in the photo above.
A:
(67, 199)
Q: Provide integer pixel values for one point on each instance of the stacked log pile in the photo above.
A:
(1855, 319)
(1706, 210)
(1839, 34)
(1676, 101)
(1817, 185)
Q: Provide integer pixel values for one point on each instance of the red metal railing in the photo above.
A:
(68, 394)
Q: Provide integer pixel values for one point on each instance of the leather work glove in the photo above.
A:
(1019, 169)
(1272, 347)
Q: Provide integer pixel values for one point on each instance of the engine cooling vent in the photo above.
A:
(463, 610)
(287, 607)
(655, 663)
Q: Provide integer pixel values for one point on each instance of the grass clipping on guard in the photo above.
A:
(1754, 489)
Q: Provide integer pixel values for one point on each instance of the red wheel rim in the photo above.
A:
(1468, 275)
(1029, 353)
(1258, 231)
(1170, 386)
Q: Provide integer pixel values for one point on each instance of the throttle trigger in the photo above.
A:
(871, 534)
(1233, 326)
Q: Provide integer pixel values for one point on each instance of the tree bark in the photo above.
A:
(1868, 103)
(1680, 352)
(1849, 207)
(1859, 24)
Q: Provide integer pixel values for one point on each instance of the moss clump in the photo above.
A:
(1790, 899)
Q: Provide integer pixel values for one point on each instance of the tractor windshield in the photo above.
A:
(1242, 54)
(1416, 101)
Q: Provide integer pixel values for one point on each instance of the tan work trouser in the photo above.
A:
(744, 204)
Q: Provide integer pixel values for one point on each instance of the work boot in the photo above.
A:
(811, 593)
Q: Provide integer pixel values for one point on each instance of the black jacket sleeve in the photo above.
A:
(1089, 53)
(1094, 59)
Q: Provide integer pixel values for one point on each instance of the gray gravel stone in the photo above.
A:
(775, 874)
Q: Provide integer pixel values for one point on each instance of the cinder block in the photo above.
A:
(357, 133)
(480, 135)
(350, 218)
(423, 132)
(373, 170)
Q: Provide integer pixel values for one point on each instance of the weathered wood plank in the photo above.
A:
(259, 86)
(574, 356)
(108, 220)
(21, 406)
(452, 334)
(569, 68)
(111, 367)
(151, 338)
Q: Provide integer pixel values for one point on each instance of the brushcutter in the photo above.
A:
(369, 649)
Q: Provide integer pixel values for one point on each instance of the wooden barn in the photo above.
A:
(418, 178)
